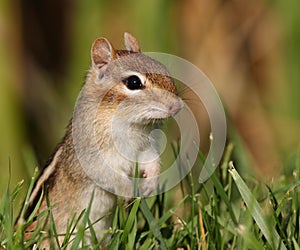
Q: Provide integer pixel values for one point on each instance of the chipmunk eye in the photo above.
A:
(133, 82)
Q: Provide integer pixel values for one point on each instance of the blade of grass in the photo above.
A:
(256, 211)
(176, 150)
(202, 229)
(136, 179)
(296, 246)
(220, 220)
(35, 210)
(122, 215)
(9, 228)
(220, 189)
(132, 236)
(104, 238)
(130, 220)
(115, 242)
(152, 224)
(6, 213)
(148, 244)
(170, 212)
(94, 240)
(193, 204)
(222, 193)
(80, 235)
(19, 238)
(69, 231)
(115, 219)
(297, 221)
(17, 190)
(38, 235)
(249, 238)
(52, 230)
(31, 185)
(226, 159)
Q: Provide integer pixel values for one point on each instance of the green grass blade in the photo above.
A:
(130, 220)
(171, 211)
(219, 187)
(136, 179)
(115, 219)
(249, 238)
(296, 246)
(17, 190)
(132, 236)
(176, 150)
(148, 244)
(69, 231)
(80, 235)
(35, 210)
(223, 195)
(31, 185)
(122, 215)
(115, 242)
(267, 228)
(6, 214)
(19, 238)
(93, 234)
(152, 224)
(52, 232)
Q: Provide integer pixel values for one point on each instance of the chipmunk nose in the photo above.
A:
(175, 107)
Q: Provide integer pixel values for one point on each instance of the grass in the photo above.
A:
(226, 212)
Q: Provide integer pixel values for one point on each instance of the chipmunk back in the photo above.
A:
(124, 95)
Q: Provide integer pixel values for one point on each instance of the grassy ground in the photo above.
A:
(232, 210)
(226, 212)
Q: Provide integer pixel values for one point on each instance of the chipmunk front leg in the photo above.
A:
(149, 174)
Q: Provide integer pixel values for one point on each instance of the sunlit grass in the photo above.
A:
(226, 212)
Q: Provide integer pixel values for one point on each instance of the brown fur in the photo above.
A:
(64, 179)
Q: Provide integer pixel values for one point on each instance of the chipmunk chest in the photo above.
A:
(130, 137)
(100, 201)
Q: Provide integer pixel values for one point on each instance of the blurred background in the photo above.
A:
(249, 49)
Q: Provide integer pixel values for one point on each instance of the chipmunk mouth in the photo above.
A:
(175, 107)
(159, 114)
(171, 109)
(148, 112)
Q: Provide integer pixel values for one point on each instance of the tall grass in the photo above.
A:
(226, 212)
(159, 28)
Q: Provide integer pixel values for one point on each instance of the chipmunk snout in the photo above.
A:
(175, 107)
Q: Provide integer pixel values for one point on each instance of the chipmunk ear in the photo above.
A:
(102, 52)
(131, 44)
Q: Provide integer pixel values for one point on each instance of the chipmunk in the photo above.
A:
(125, 94)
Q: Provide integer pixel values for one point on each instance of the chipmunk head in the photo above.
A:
(131, 84)
(125, 92)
